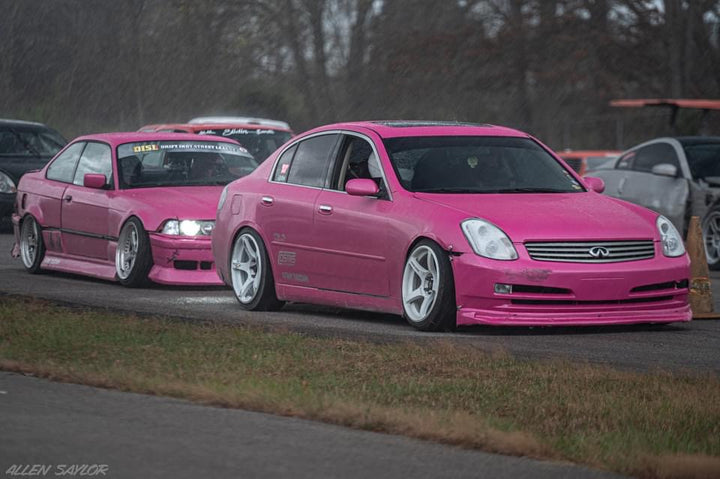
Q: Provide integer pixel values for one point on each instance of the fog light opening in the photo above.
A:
(501, 288)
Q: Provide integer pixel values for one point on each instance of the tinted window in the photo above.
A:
(283, 165)
(63, 167)
(703, 159)
(260, 142)
(23, 141)
(357, 160)
(181, 163)
(651, 155)
(309, 166)
(95, 159)
(477, 164)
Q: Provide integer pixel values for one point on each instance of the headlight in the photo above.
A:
(188, 227)
(488, 240)
(223, 195)
(7, 185)
(672, 242)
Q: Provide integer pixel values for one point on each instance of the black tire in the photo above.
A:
(711, 237)
(32, 247)
(253, 284)
(133, 258)
(430, 282)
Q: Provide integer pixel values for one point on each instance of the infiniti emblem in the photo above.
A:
(599, 252)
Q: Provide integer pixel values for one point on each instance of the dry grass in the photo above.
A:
(651, 425)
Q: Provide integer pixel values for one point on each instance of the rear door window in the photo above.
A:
(310, 163)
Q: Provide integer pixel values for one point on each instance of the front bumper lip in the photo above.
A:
(168, 251)
(579, 293)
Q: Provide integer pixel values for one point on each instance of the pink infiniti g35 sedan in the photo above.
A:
(128, 207)
(446, 224)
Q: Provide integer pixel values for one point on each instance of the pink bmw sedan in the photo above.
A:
(446, 224)
(128, 207)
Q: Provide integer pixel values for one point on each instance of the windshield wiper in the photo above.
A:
(533, 190)
(451, 189)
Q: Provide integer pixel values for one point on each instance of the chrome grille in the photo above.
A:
(602, 251)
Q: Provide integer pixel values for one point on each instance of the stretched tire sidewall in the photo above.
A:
(143, 260)
(39, 245)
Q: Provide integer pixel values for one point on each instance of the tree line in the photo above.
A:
(546, 66)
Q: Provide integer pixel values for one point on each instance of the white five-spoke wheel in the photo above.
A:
(711, 235)
(247, 267)
(133, 259)
(250, 273)
(420, 283)
(428, 290)
(32, 248)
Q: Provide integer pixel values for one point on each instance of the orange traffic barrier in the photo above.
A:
(701, 298)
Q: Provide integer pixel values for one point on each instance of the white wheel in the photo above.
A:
(246, 268)
(428, 288)
(420, 283)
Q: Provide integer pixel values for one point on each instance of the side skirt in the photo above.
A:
(86, 267)
(303, 294)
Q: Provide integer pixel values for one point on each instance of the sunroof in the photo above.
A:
(410, 124)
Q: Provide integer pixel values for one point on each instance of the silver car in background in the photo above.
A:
(677, 177)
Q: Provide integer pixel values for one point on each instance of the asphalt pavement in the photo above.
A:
(690, 346)
(63, 427)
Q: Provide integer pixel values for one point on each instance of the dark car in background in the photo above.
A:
(24, 146)
(677, 177)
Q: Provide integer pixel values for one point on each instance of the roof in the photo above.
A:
(195, 127)
(248, 120)
(402, 128)
(699, 104)
(11, 122)
(130, 137)
(697, 140)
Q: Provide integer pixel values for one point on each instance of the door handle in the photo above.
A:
(68, 198)
(267, 200)
(325, 209)
(621, 186)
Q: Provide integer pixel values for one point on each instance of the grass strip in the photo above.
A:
(647, 424)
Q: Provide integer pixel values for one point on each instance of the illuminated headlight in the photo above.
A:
(672, 242)
(7, 185)
(488, 240)
(188, 228)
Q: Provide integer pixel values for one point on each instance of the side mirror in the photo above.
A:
(664, 169)
(595, 184)
(361, 187)
(94, 180)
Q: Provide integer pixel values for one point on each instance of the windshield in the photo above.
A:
(704, 160)
(477, 164)
(261, 143)
(29, 142)
(181, 163)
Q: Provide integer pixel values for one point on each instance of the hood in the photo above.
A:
(554, 216)
(158, 204)
(16, 166)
